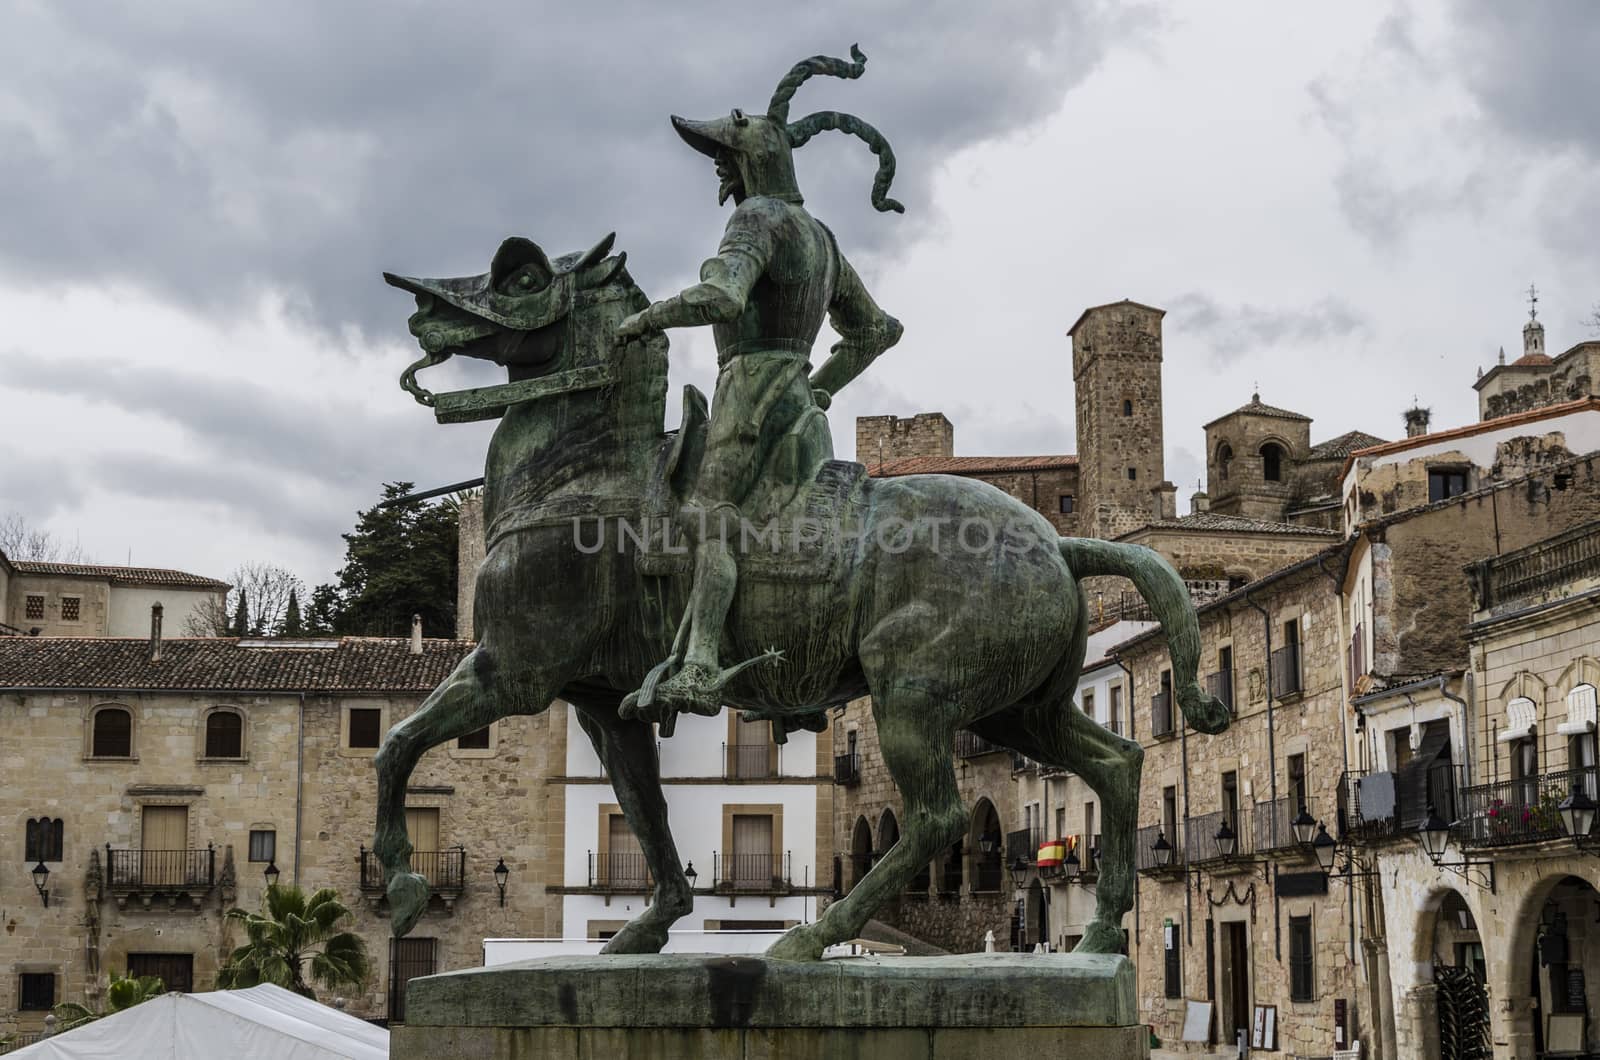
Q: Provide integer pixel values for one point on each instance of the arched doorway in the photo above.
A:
(888, 832)
(1037, 913)
(988, 849)
(1553, 959)
(1461, 1000)
(860, 850)
(1272, 462)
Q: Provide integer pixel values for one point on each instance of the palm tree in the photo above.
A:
(290, 930)
(125, 992)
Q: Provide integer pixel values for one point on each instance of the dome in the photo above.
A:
(1531, 360)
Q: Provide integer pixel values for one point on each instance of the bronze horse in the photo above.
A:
(983, 632)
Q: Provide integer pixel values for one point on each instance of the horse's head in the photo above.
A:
(518, 314)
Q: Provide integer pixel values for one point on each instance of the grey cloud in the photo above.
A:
(209, 153)
(1532, 68)
(1234, 331)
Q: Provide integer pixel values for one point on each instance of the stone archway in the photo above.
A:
(986, 846)
(888, 832)
(1550, 965)
(860, 850)
(1446, 919)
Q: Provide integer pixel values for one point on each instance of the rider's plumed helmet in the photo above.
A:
(759, 147)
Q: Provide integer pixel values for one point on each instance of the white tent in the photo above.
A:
(261, 1023)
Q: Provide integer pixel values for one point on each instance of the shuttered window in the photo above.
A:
(224, 735)
(113, 734)
(1301, 979)
(1174, 959)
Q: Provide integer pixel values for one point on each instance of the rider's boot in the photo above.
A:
(697, 686)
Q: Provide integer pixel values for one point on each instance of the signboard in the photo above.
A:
(1197, 1022)
(1264, 1028)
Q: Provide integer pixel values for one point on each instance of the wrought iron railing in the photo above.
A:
(620, 871)
(161, 870)
(1511, 812)
(445, 870)
(1286, 677)
(1220, 684)
(749, 761)
(1144, 853)
(1273, 821)
(847, 768)
(751, 872)
(1532, 571)
(1377, 804)
(971, 745)
(1161, 720)
(1200, 834)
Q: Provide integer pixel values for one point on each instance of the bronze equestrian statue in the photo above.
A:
(953, 605)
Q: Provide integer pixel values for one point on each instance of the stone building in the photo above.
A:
(87, 600)
(1537, 380)
(156, 779)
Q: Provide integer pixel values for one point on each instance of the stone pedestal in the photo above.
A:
(668, 1006)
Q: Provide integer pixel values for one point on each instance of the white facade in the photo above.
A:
(128, 609)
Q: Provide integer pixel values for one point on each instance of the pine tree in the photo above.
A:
(322, 618)
(241, 617)
(400, 560)
(292, 625)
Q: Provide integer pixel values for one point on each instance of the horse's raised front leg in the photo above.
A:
(464, 703)
(916, 736)
(628, 748)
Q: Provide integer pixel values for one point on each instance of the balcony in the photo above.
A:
(744, 761)
(751, 873)
(1517, 812)
(1144, 856)
(971, 745)
(626, 872)
(1161, 714)
(1273, 822)
(1220, 684)
(169, 874)
(1532, 574)
(1200, 835)
(1286, 678)
(847, 769)
(1380, 805)
(445, 871)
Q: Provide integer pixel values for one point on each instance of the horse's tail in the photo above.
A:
(1168, 599)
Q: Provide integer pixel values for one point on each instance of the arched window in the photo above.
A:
(1127, 406)
(1224, 458)
(224, 734)
(113, 733)
(1272, 462)
(860, 850)
(43, 842)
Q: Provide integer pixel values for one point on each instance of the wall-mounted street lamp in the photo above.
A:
(1577, 817)
(501, 874)
(1162, 851)
(271, 873)
(690, 875)
(41, 877)
(1304, 827)
(1227, 842)
(1434, 832)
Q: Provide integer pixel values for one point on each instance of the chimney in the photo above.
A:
(155, 632)
(1200, 502)
(1165, 501)
(416, 634)
(1417, 421)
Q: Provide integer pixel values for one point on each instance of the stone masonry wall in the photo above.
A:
(469, 555)
(1116, 358)
(880, 438)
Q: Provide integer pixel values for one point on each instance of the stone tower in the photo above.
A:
(1251, 457)
(883, 438)
(1116, 372)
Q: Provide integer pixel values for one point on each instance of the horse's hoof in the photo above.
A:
(797, 944)
(408, 897)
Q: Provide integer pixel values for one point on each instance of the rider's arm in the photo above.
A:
(864, 332)
(725, 280)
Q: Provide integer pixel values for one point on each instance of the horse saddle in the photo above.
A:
(796, 523)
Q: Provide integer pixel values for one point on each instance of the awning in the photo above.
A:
(1520, 717)
(1580, 712)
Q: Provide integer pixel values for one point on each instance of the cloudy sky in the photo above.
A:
(198, 355)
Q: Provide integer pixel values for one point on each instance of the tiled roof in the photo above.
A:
(1232, 524)
(1256, 408)
(967, 465)
(1481, 427)
(1532, 360)
(1342, 446)
(119, 575)
(358, 664)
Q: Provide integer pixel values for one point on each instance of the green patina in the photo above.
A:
(624, 563)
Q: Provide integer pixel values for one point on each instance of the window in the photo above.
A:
(365, 723)
(408, 958)
(1169, 814)
(1297, 782)
(34, 608)
(224, 734)
(71, 608)
(175, 970)
(1088, 703)
(1061, 820)
(38, 991)
(1301, 987)
(1114, 709)
(1133, 474)
(1066, 504)
(1230, 800)
(43, 840)
(263, 845)
(474, 741)
(113, 733)
(1088, 831)
(1444, 484)
(1272, 462)
(1224, 458)
(1127, 406)
(1174, 960)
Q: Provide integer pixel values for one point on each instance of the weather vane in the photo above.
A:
(1533, 302)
